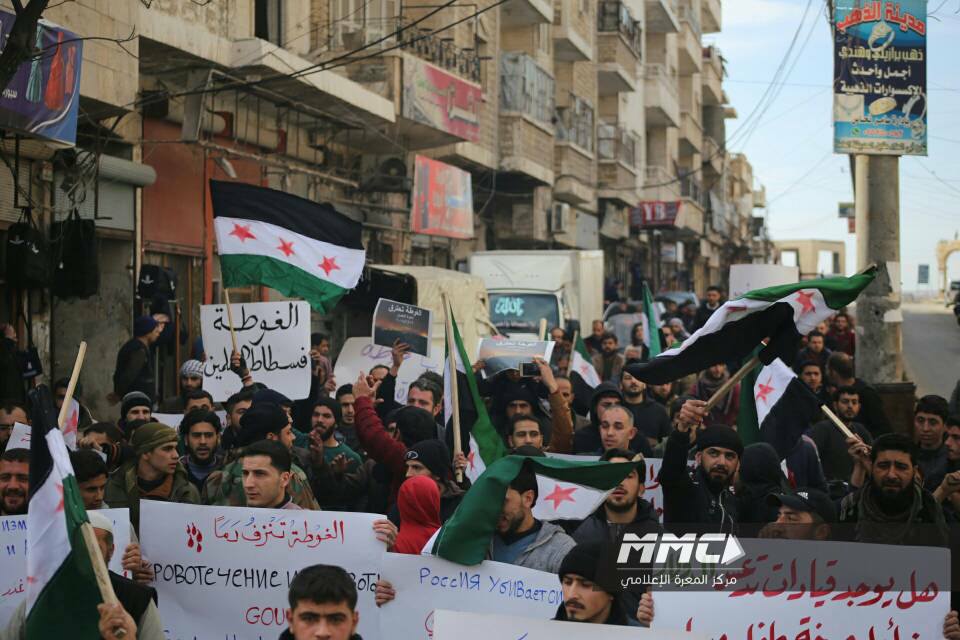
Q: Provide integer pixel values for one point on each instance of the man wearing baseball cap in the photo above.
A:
(155, 473)
(806, 514)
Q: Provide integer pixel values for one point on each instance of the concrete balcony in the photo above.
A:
(526, 147)
(617, 164)
(524, 13)
(576, 171)
(619, 43)
(691, 134)
(661, 190)
(661, 16)
(712, 156)
(711, 76)
(689, 52)
(573, 32)
(660, 99)
(710, 16)
(660, 185)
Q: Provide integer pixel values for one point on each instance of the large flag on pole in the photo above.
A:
(783, 313)
(298, 247)
(62, 593)
(582, 364)
(653, 322)
(466, 535)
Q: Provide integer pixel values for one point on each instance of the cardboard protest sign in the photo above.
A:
(360, 355)
(502, 355)
(407, 323)
(13, 557)
(807, 589)
(424, 583)
(224, 572)
(455, 625)
(273, 338)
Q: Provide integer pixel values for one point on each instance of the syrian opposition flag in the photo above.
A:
(300, 248)
(653, 322)
(581, 364)
(783, 313)
(776, 407)
(62, 593)
(486, 445)
(466, 536)
(559, 500)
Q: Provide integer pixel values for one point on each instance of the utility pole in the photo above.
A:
(879, 319)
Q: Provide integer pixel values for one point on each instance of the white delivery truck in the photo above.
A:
(525, 286)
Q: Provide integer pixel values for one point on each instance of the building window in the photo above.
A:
(268, 21)
(614, 16)
(544, 37)
(356, 23)
(575, 123)
(525, 87)
(616, 143)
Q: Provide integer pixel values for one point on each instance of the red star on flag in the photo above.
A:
(805, 298)
(470, 460)
(59, 487)
(242, 231)
(736, 309)
(286, 248)
(329, 264)
(560, 495)
(764, 390)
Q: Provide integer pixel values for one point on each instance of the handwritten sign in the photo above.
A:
(273, 338)
(502, 355)
(20, 436)
(13, 557)
(404, 322)
(455, 625)
(224, 572)
(805, 589)
(424, 583)
(359, 355)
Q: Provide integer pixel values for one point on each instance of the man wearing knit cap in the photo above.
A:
(432, 458)
(588, 597)
(136, 405)
(155, 473)
(191, 379)
(701, 497)
(134, 368)
(262, 421)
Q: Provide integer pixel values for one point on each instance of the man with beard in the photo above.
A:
(200, 434)
(14, 481)
(236, 405)
(324, 421)
(347, 414)
(725, 411)
(841, 336)
(840, 373)
(948, 493)
(703, 496)
(609, 362)
(890, 507)
(191, 379)
(649, 417)
(11, 413)
(832, 443)
(587, 596)
(625, 504)
(929, 428)
(712, 302)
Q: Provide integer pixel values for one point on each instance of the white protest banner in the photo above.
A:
(360, 355)
(424, 583)
(406, 323)
(273, 338)
(20, 436)
(13, 557)
(804, 589)
(224, 572)
(455, 625)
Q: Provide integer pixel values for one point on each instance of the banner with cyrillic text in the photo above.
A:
(224, 572)
(13, 557)
(455, 625)
(424, 583)
(805, 589)
(272, 337)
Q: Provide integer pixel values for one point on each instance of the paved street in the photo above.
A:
(931, 346)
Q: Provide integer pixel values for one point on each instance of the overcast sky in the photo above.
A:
(791, 149)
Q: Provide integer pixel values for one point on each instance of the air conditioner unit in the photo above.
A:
(385, 174)
(559, 217)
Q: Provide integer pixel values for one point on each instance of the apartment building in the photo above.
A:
(593, 124)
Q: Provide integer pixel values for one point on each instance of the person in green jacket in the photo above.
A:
(154, 474)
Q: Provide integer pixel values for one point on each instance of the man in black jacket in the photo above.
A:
(323, 604)
(134, 369)
(587, 440)
(586, 596)
(712, 302)
(649, 416)
(701, 497)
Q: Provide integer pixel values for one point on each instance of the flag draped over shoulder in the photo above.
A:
(485, 442)
(466, 536)
(782, 313)
(62, 593)
(776, 407)
(298, 247)
(653, 322)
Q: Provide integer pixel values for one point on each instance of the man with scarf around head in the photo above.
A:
(891, 507)
(191, 379)
(588, 595)
(701, 497)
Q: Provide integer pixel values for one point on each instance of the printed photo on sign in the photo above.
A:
(396, 321)
(500, 355)
(272, 337)
(224, 572)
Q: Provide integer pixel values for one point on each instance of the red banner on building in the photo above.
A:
(442, 200)
(655, 213)
(439, 99)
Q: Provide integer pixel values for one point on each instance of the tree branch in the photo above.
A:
(19, 47)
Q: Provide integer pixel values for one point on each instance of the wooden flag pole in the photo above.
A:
(573, 348)
(233, 333)
(89, 537)
(454, 390)
(543, 329)
(837, 421)
(729, 384)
